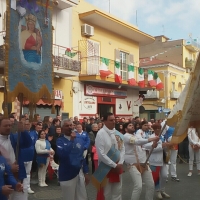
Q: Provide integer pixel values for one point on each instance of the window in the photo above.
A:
(124, 60)
(93, 57)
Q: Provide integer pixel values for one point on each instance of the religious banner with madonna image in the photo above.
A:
(29, 68)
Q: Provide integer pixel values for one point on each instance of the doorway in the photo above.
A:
(105, 108)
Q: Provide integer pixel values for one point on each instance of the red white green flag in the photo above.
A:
(141, 78)
(118, 78)
(159, 84)
(151, 80)
(103, 69)
(131, 75)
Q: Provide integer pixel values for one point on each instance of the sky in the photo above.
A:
(176, 19)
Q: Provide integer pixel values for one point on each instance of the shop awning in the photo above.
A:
(41, 102)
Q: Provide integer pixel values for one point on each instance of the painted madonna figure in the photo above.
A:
(31, 40)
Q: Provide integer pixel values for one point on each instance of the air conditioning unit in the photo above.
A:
(87, 30)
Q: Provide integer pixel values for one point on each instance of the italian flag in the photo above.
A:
(131, 78)
(159, 84)
(118, 78)
(141, 78)
(151, 80)
(103, 69)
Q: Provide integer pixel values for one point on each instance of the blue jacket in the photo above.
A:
(85, 137)
(31, 150)
(70, 157)
(10, 180)
(169, 133)
(25, 142)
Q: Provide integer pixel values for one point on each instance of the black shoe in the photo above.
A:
(175, 179)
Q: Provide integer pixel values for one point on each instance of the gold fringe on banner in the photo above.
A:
(33, 97)
(98, 185)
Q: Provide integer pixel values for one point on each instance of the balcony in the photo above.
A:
(152, 94)
(63, 4)
(2, 55)
(66, 63)
(189, 64)
(2, 49)
(192, 45)
(91, 66)
(174, 94)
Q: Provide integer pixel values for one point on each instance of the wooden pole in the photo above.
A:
(153, 147)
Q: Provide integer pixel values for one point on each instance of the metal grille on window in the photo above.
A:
(93, 59)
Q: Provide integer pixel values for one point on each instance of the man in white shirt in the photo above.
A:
(105, 139)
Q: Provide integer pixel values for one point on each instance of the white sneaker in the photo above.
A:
(158, 195)
(30, 191)
(165, 195)
(189, 174)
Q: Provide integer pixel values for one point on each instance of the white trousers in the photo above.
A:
(137, 179)
(173, 158)
(26, 181)
(113, 191)
(75, 188)
(163, 177)
(191, 160)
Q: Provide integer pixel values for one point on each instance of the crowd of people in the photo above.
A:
(27, 149)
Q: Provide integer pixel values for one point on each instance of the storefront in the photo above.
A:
(92, 98)
(45, 109)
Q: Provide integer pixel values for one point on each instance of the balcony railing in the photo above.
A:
(152, 94)
(189, 64)
(92, 65)
(193, 43)
(66, 59)
(2, 53)
(174, 94)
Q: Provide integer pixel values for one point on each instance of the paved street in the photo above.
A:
(187, 189)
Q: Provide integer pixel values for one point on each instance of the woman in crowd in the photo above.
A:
(43, 150)
(121, 129)
(194, 146)
(157, 162)
(137, 126)
(100, 125)
(134, 155)
(92, 135)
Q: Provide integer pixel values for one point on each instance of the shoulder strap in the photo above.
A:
(136, 155)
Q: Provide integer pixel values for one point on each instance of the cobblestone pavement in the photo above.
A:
(186, 189)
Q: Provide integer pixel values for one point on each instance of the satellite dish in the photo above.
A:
(141, 109)
(166, 110)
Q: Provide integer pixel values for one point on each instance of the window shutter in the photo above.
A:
(131, 59)
(117, 55)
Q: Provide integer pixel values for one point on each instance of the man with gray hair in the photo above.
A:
(70, 149)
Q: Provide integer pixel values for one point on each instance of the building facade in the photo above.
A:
(100, 36)
(173, 61)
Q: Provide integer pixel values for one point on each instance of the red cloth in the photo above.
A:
(113, 176)
(30, 42)
(100, 194)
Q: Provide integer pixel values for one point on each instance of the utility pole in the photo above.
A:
(136, 18)
(109, 6)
